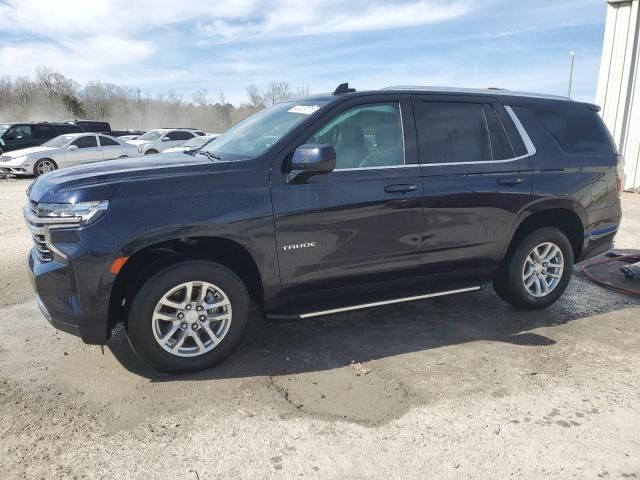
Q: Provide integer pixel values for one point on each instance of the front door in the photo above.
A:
(364, 217)
(87, 151)
(477, 177)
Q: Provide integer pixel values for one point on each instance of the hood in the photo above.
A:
(138, 142)
(98, 180)
(27, 151)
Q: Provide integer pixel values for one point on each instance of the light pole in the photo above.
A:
(572, 57)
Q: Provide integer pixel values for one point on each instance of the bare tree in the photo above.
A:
(303, 90)
(174, 98)
(255, 99)
(25, 90)
(54, 83)
(277, 92)
(200, 96)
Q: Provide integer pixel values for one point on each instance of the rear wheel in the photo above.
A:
(189, 316)
(44, 165)
(537, 271)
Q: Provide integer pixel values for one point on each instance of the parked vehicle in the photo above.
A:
(95, 126)
(324, 205)
(130, 134)
(14, 136)
(193, 145)
(65, 151)
(156, 141)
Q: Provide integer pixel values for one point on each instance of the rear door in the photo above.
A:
(477, 175)
(110, 148)
(365, 216)
(43, 133)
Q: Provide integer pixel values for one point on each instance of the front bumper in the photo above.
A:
(64, 304)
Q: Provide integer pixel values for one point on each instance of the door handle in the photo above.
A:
(510, 181)
(400, 188)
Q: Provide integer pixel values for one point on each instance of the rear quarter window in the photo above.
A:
(577, 131)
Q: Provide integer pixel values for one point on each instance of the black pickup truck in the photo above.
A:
(322, 205)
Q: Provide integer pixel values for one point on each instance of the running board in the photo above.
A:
(363, 306)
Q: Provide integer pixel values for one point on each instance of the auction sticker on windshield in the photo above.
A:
(306, 109)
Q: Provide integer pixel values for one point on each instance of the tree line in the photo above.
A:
(51, 96)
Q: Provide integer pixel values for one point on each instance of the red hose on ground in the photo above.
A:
(629, 291)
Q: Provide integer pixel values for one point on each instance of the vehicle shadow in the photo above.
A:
(285, 348)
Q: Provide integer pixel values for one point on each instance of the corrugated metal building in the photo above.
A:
(618, 83)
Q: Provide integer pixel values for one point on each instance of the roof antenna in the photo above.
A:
(343, 88)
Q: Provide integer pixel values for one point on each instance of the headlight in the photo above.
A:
(86, 212)
(19, 160)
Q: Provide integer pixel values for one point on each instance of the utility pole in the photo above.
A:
(572, 57)
(139, 111)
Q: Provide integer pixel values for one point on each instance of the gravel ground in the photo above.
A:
(455, 387)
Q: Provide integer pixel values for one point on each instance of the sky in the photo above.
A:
(186, 45)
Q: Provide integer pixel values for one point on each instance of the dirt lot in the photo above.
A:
(457, 387)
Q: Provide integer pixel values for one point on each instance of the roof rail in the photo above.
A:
(490, 91)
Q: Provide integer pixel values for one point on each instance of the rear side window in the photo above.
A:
(576, 130)
(107, 142)
(62, 129)
(180, 135)
(500, 144)
(452, 132)
(44, 131)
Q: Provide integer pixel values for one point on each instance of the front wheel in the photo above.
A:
(189, 316)
(44, 165)
(537, 272)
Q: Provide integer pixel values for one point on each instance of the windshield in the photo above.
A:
(257, 133)
(4, 128)
(196, 142)
(59, 142)
(152, 135)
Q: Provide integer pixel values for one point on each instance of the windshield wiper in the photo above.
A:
(210, 155)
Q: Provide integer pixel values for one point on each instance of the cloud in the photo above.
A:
(289, 18)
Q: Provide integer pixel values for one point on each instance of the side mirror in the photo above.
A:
(311, 159)
(72, 147)
(166, 139)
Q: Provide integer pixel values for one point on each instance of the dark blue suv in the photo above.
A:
(322, 205)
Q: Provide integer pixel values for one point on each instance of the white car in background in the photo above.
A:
(65, 151)
(195, 143)
(156, 141)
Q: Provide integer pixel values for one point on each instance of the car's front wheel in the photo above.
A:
(536, 273)
(151, 152)
(189, 316)
(44, 165)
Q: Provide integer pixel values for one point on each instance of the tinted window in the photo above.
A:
(365, 136)
(44, 131)
(19, 132)
(576, 130)
(86, 142)
(512, 132)
(95, 126)
(179, 135)
(68, 129)
(452, 132)
(500, 146)
(106, 141)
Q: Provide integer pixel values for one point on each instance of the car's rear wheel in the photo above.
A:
(189, 316)
(536, 273)
(44, 165)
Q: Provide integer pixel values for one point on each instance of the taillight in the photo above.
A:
(620, 178)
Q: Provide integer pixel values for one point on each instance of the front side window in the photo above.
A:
(179, 135)
(19, 132)
(86, 142)
(365, 136)
(151, 136)
(452, 132)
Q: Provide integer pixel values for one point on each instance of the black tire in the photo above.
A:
(140, 325)
(509, 284)
(37, 166)
(151, 152)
